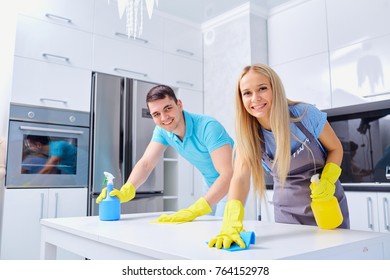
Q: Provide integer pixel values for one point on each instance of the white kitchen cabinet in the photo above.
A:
(363, 211)
(182, 72)
(359, 72)
(307, 80)
(52, 65)
(47, 42)
(53, 85)
(23, 210)
(108, 23)
(71, 13)
(353, 21)
(123, 59)
(296, 32)
(384, 211)
(267, 207)
(183, 39)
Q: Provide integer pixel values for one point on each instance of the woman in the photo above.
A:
(292, 141)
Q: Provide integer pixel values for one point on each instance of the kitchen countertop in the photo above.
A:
(135, 237)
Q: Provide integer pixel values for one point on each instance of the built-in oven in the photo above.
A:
(47, 147)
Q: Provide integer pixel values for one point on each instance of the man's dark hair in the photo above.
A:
(44, 140)
(160, 92)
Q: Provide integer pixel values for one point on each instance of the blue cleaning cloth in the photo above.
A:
(248, 237)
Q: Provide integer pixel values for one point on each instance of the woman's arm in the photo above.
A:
(332, 145)
(240, 183)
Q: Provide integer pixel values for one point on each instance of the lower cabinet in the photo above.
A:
(369, 211)
(22, 212)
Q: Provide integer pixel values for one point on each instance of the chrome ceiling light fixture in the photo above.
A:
(134, 14)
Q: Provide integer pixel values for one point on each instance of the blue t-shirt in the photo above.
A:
(204, 134)
(67, 153)
(313, 120)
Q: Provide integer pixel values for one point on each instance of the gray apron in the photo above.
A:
(292, 201)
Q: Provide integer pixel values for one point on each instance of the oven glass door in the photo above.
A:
(45, 155)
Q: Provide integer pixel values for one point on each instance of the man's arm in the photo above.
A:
(222, 160)
(50, 165)
(146, 164)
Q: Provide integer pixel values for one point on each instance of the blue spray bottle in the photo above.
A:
(110, 207)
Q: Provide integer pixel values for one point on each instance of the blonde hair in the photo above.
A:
(247, 129)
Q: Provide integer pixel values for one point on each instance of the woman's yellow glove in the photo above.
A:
(125, 194)
(231, 226)
(325, 188)
(199, 208)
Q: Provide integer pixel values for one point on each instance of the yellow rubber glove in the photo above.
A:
(199, 208)
(125, 194)
(326, 187)
(231, 226)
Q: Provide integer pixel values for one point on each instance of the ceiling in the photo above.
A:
(199, 11)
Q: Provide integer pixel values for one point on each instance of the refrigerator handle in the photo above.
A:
(126, 132)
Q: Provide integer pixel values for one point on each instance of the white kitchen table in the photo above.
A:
(135, 237)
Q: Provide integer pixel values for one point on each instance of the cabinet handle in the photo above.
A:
(185, 83)
(123, 35)
(56, 206)
(181, 51)
(55, 17)
(44, 129)
(42, 199)
(386, 213)
(130, 71)
(54, 100)
(375, 94)
(369, 213)
(48, 55)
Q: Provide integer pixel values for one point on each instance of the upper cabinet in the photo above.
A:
(51, 43)
(123, 59)
(353, 21)
(182, 39)
(108, 23)
(53, 55)
(183, 56)
(70, 13)
(316, 87)
(351, 37)
(360, 72)
(297, 32)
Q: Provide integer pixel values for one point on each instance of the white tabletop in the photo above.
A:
(135, 237)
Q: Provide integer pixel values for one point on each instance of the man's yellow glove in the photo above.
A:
(125, 194)
(325, 188)
(199, 208)
(231, 226)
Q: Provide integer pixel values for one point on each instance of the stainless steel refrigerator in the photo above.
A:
(121, 129)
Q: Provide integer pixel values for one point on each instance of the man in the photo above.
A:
(49, 157)
(200, 139)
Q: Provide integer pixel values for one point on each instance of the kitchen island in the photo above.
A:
(134, 236)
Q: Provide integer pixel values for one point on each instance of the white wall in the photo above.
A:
(236, 39)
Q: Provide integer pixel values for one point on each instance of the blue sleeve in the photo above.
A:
(158, 136)
(215, 136)
(57, 148)
(314, 120)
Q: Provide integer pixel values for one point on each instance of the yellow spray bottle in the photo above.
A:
(327, 212)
